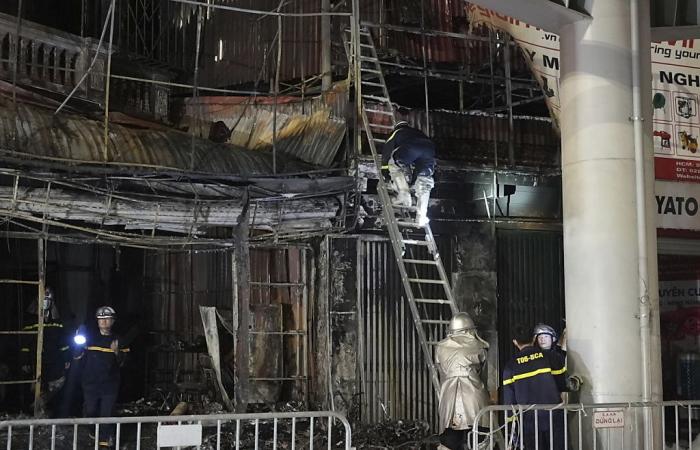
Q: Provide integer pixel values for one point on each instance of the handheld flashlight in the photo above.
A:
(80, 338)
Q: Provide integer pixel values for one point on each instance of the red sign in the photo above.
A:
(677, 169)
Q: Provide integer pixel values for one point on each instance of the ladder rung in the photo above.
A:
(365, 33)
(282, 333)
(378, 111)
(369, 59)
(414, 242)
(277, 378)
(379, 140)
(432, 300)
(409, 224)
(19, 282)
(425, 281)
(420, 261)
(376, 125)
(366, 45)
(374, 97)
(364, 69)
(369, 83)
(435, 321)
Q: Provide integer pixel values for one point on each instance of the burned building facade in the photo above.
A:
(215, 185)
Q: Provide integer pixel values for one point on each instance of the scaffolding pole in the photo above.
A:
(41, 267)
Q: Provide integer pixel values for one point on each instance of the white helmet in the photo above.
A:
(105, 312)
(542, 328)
(400, 124)
(461, 322)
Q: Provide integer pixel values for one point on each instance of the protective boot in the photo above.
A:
(400, 185)
(422, 187)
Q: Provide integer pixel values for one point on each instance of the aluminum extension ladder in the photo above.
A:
(415, 250)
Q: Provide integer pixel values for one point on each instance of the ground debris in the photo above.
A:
(391, 434)
(280, 436)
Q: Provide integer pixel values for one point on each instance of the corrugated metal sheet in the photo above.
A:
(311, 130)
(249, 53)
(177, 283)
(530, 283)
(77, 140)
(470, 136)
(249, 48)
(396, 381)
(440, 15)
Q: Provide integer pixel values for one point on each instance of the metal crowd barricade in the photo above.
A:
(288, 431)
(588, 426)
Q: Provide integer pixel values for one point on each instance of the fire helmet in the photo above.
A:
(542, 328)
(400, 124)
(461, 322)
(105, 312)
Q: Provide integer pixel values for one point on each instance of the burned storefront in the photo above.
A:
(217, 187)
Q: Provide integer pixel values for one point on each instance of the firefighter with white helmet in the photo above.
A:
(103, 358)
(408, 160)
(547, 339)
(460, 358)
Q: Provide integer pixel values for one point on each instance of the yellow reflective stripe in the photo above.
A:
(101, 349)
(106, 350)
(527, 375)
(392, 135)
(559, 372)
(385, 166)
(24, 349)
(63, 349)
(512, 418)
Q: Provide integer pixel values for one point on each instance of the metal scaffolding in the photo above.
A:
(40, 283)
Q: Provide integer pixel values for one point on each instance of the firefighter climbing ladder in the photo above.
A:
(416, 252)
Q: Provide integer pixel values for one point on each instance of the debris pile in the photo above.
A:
(281, 435)
(391, 434)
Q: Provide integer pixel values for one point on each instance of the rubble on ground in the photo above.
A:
(391, 434)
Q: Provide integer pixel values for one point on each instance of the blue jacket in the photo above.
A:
(534, 376)
(101, 364)
(411, 139)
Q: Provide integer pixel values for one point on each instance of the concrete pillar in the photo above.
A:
(598, 183)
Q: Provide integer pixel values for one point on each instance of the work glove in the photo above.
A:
(386, 176)
(573, 383)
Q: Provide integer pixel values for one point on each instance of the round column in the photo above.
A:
(599, 207)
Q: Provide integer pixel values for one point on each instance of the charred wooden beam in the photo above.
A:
(242, 261)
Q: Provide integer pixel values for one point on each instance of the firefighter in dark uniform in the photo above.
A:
(534, 376)
(408, 157)
(103, 358)
(55, 354)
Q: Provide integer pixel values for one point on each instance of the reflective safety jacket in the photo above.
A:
(55, 349)
(101, 363)
(534, 376)
(462, 393)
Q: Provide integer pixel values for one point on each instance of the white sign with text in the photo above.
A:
(677, 205)
(609, 418)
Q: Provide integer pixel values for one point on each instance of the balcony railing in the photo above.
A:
(50, 59)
